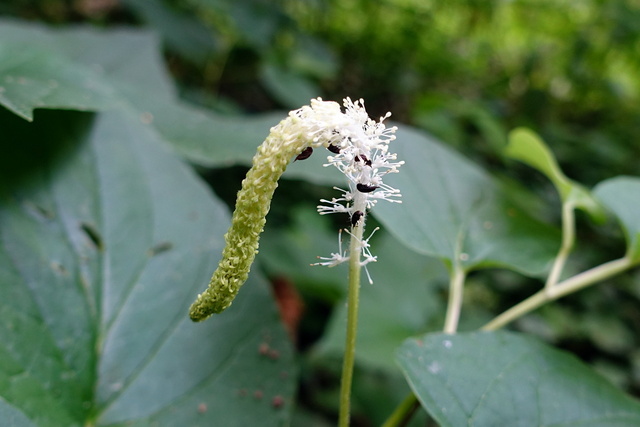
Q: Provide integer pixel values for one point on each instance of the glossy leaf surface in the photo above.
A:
(90, 70)
(454, 210)
(508, 379)
(103, 247)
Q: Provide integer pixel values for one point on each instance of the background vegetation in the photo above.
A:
(465, 71)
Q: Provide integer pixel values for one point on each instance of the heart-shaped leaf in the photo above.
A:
(622, 196)
(454, 210)
(528, 147)
(102, 250)
(508, 379)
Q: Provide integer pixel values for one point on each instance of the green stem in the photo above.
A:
(403, 412)
(355, 246)
(568, 240)
(561, 289)
(456, 290)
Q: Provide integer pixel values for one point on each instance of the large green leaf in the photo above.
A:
(78, 68)
(622, 196)
(506, 379)
(529, 148)
(102, 249)
(454, 210)
(88, 69)
(36, 76)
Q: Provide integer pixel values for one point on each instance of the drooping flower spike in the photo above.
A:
(360, 148)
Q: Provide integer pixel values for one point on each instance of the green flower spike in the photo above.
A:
(310, 126)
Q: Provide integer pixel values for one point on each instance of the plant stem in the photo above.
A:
(568, 240)
(561, 289)
(456, 290)
(355, 246)
(403, 412)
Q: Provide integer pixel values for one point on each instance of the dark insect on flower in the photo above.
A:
(334, 149)
(364, 188)
(306, 153)
(356, 217)
(362, 158)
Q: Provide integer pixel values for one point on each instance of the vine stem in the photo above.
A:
(355, 247)
(403, 412)
(456, 291)
(568, 240)
(561, 289)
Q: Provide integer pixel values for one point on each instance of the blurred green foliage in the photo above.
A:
(466, 71)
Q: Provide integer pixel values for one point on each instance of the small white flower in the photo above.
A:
(335, 258)
(366, 252)
(360, 151)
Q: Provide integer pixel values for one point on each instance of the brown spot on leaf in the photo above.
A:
(263, 349)
(277, 401)
(274, 354)
(290, 304)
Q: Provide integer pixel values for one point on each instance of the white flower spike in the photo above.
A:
(360, 147)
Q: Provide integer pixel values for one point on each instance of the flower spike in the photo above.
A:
(364, 159)
(308, 127)
(360, 151)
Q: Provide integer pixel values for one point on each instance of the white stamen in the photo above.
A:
(363, 158)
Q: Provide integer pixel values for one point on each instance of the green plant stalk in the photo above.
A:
(456, 291)
(561, 289)
(568, 240)
(403, 412)
(355, 246)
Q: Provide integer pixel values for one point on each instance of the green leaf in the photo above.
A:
(102, 250)
(507, 379)
(528, 147)
(87, 69)
(403, 301)
(78, 68)
(12, 417)
(36, 77)
(454, 210)
(288, 87)
(622, 196)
